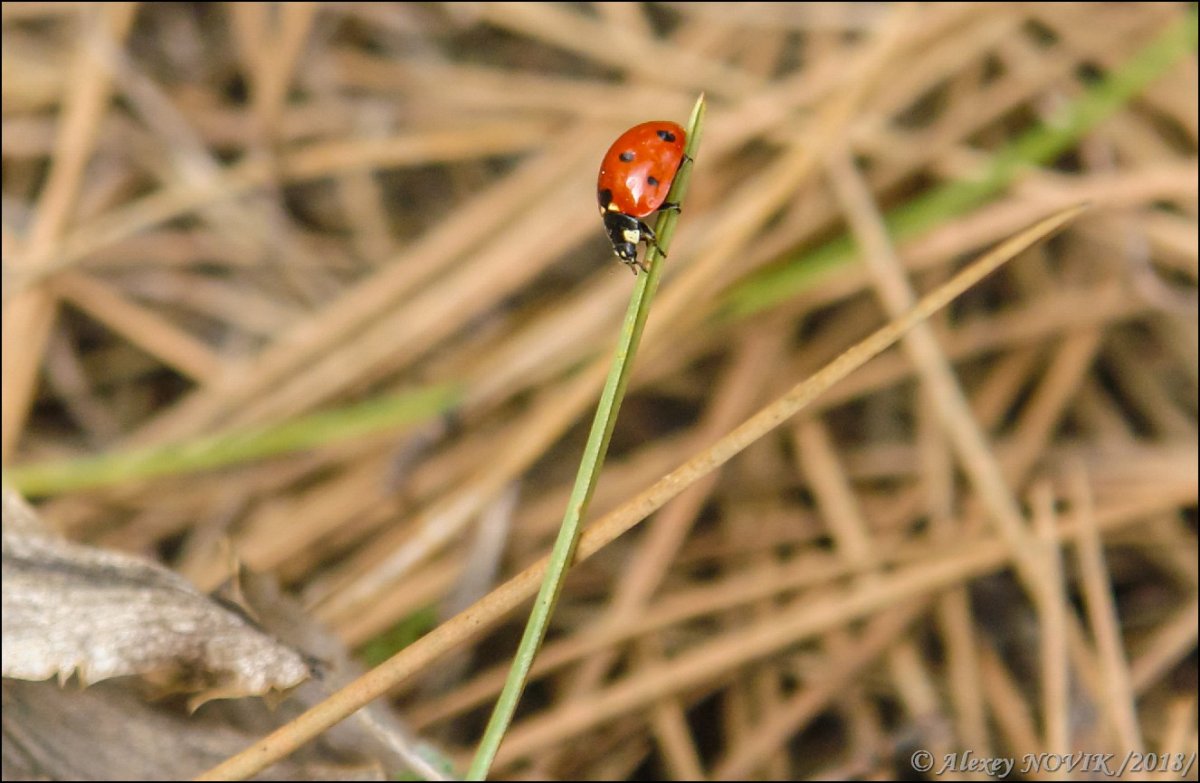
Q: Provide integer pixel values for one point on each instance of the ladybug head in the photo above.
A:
(626, 251)
(625, 233)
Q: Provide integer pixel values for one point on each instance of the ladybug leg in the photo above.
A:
(650, 239)
(670, 206)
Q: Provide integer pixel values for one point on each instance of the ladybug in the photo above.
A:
(635, 177)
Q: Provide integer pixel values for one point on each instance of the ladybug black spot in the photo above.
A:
(666, 135)
(605, 197)
(652, 182)
(627, 156)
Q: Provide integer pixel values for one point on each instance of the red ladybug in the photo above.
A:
(635, 177)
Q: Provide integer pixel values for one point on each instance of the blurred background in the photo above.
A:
(367, 235)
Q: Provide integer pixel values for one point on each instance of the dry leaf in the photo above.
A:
(107, 732)
(72, 608)
(122, 615)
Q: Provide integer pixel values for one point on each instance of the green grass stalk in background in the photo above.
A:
(1037, 146)
(218, 451)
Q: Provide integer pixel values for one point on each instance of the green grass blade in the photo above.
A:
(218, 451)
(1037, 146)
(589, 469)
(406, 631)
